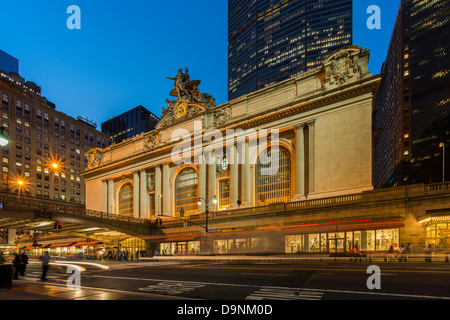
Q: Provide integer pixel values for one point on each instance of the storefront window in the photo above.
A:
(367, 240)
(386, 239)
(438, 235)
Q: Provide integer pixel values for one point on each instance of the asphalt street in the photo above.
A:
(264, 281)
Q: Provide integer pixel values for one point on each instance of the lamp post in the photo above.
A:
(442, 145)
(214, 199)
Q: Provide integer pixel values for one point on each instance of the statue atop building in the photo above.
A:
(189, 100)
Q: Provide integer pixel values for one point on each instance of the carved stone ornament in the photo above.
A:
(151, 141)
(222, 116)
(94, 158)
(340, 68)
(150, 181)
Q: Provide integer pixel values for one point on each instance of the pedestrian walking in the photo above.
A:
(401, 253)
(16, 264)
(428, 251)
(23, 263)
(391, 254)
(45, 265)
(2, 258)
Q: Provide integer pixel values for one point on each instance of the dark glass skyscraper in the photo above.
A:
(412, 112)
(8, 63)
(129, 124)
(273, 40)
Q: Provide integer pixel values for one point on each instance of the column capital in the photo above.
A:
(299, 126)
(311, 123)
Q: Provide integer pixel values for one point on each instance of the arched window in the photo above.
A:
(126, 200)
(186, 192)
(273, 176)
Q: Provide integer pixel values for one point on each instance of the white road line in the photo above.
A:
(287, 288)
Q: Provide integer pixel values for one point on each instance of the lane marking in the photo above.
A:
(285, 288)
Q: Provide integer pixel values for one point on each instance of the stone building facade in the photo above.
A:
(248, 171)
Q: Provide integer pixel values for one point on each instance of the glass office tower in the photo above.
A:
(273, 40)
(412, 112)
(8, 63)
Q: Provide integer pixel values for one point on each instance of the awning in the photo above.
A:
(343, 226)
(179, 239)
(59, 245)
(85, 243)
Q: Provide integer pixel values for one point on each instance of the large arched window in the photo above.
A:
(126, 200)
(273, 176)
(186, 192)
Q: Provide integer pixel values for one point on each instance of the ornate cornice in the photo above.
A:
(286, 110)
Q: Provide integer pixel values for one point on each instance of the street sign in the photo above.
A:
(1, 205)
(43, 215)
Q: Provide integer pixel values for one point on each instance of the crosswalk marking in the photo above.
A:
(285, 294)
(37, 276)
(172, 287)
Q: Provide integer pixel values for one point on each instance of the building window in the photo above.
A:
(126, 200)
(186, 192)
(273, 182)
(224, 193)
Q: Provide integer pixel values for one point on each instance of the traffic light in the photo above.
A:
(159, 221)
(57, 225)
(60, 225)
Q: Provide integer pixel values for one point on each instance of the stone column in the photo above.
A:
(246, 190)
(166, 191)
(299, 163)
(212, 180)
(311, 168)
(105, 195)
(136, 194)
(234, 178)
(158, 191)
(202, 183)
(144, 214)
(111, 199)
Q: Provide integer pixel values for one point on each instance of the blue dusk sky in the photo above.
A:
(125, 49)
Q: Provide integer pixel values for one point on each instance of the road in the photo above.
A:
(264, 281)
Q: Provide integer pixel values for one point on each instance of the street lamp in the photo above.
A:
(214, 200)
(442, 145)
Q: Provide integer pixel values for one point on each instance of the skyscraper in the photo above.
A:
(8, 63)
(129, 124)
(273, 40)
(412, 112)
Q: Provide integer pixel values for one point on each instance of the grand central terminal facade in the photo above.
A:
(286, 169)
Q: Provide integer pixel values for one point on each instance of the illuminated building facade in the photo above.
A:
(46, 151)
(412, 112)
(129, 124)
(319, 198)
(270, 41)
